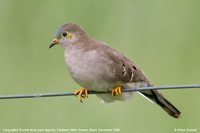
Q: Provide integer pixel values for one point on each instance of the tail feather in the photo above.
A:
(158, 98)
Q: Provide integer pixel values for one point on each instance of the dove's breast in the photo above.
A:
(89, 69)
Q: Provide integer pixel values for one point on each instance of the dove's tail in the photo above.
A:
(158, 98)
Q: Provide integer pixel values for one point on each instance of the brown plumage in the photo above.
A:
(96, 66)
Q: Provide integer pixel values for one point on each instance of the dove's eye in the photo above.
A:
(64, 34)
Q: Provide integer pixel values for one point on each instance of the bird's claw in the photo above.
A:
(82, 93)
(117, 90)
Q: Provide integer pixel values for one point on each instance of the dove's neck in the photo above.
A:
(80, 45)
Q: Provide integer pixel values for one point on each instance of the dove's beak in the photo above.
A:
(54, 42)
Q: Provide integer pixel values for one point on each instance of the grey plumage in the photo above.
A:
(98, 67)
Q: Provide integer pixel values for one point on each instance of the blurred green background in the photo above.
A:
(163, 37)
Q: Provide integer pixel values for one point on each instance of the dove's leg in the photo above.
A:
(82, 93)
(117, 90)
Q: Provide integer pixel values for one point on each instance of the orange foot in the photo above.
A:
(83, 93)
(117, 90)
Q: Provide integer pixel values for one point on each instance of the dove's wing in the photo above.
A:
(127, 72)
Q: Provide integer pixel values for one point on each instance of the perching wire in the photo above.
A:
(95, 92)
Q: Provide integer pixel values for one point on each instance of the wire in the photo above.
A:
(95, 92)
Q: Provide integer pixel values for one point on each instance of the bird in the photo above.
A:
(95, 66)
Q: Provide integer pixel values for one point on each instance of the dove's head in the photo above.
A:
(68, 34)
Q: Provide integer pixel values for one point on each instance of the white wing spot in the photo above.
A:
(131, 76)
(124, 70)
